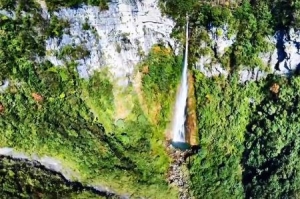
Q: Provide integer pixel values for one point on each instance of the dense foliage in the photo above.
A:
(248, 138)
(248, 132)
(21, 180)
(271, 157)
(223, 108)
(161, 74)
(56, 4)
(250, 21)
(50, 111)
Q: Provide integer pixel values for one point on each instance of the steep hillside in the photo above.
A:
(89, 86)
(69, 100)
(245, 56)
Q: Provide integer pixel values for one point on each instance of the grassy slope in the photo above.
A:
(74, 121)
(127, 159)
(141, 130)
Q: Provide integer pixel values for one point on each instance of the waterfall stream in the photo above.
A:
(178, 128)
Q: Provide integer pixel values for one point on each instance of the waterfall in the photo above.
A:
(178, 128)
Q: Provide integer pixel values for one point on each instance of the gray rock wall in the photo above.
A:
(283, 60)
(118, 37)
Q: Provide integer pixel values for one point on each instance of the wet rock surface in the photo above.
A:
(176, 175)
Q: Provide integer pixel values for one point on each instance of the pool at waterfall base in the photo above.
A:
(181, 145)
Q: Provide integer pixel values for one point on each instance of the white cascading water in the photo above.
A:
(178, 127)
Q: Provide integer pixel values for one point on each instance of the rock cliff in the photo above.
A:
(117, 38)
(284, 59)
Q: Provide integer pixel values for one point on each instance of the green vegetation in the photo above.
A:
(86, 25)
(135, 125)
(271, 156)
(248, 132)
(56, 4)
(20, 180)
(98, 92)
(85, 124)
(56, 27)
(248, 138)
(114, 136)
(224, 111)
(19, 41)
(250, 21)
(249, 44)
(161, 75)
(73, 52)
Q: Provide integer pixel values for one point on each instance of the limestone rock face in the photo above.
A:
(220, 42)
(254, 74)
(4, 86)
(117, 38)
(210, 68)
(221, 39)
(283, 59)
(288, 45)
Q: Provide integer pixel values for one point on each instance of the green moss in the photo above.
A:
(86, 25)
(56, 27)
(73, 52)
(98, 95)
(56, 4)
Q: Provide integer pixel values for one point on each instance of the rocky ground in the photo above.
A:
(176, 175)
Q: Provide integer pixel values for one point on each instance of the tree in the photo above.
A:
(272, 147)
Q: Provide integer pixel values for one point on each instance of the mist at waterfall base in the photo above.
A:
(178, 127)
